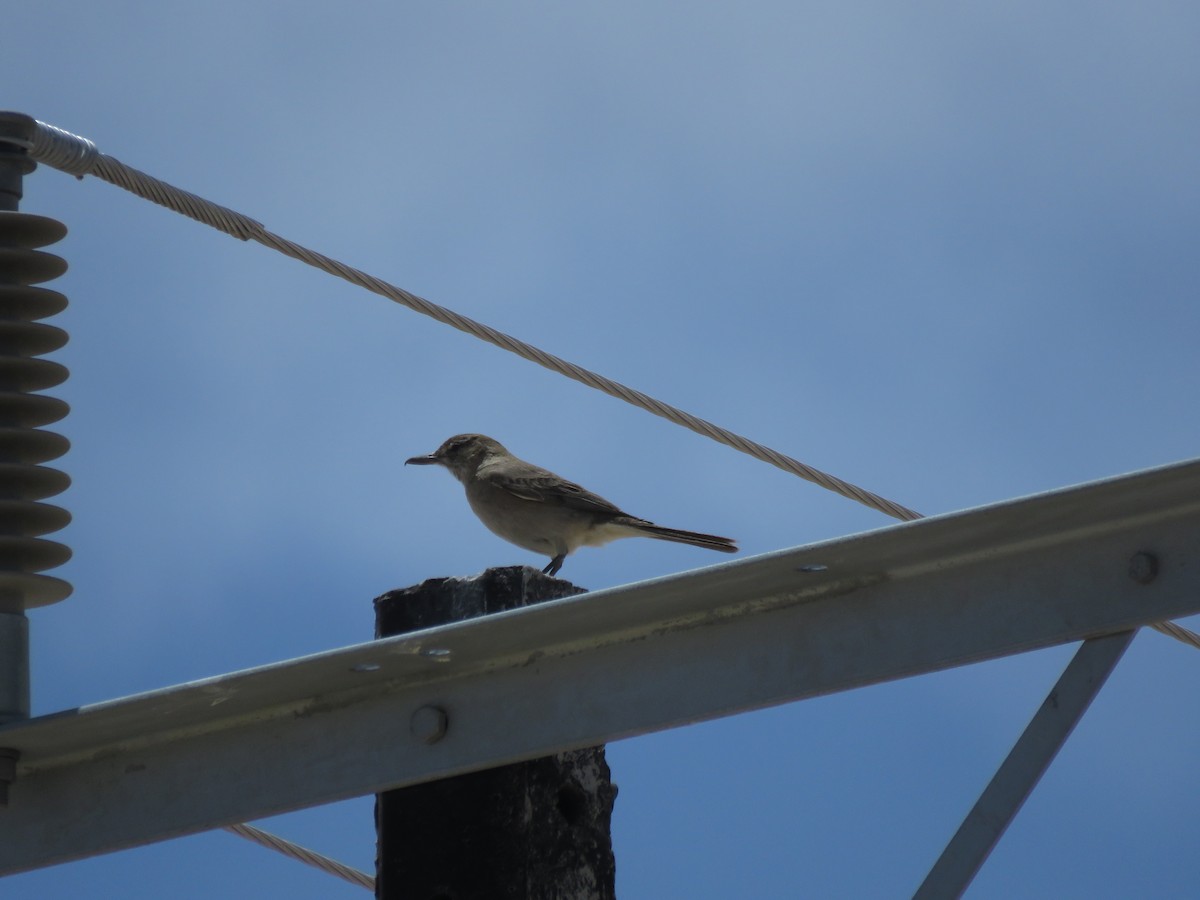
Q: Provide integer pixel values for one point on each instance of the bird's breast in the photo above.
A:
(531, 524)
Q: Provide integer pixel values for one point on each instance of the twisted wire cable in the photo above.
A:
(61, 149)
(1178, 632)
(78, 156)
(303, 854)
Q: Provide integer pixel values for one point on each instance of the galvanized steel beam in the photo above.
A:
(904, 600)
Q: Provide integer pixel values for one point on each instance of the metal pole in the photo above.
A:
(1024, 767)
(536, 830)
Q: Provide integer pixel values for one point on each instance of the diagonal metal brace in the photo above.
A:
(1019, 774)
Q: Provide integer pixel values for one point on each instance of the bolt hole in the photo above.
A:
(1143, 567)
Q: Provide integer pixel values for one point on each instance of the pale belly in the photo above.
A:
(540, 527)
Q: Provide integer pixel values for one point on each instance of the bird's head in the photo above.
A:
(461, 454)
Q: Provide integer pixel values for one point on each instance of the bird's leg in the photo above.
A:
(554, 565)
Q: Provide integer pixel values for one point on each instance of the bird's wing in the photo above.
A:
(541, 486)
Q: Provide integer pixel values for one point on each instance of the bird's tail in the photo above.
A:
(695, 538)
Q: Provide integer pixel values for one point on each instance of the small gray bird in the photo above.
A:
(535, 509)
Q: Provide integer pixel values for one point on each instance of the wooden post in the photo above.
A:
(537, 830)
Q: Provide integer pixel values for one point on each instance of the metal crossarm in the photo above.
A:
(1059, 567)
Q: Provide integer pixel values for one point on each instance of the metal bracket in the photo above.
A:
(1024, 767)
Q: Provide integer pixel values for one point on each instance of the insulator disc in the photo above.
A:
(20, 374)
(23, 482)
(22, 445)
(21, 266)
(30, 554)
(18, 229)
(25, 302)
(31, 410)
(23, 590)
(24, 517)
(28, 338)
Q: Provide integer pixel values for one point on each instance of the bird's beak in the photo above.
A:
(430, 460)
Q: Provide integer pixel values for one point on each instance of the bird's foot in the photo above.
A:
(554, 565)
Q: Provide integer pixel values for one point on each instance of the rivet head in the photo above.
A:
(1143, 567)
(428, 724)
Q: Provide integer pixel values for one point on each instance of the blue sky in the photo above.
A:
(943, 251)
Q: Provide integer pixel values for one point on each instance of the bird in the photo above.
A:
(537, 510)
